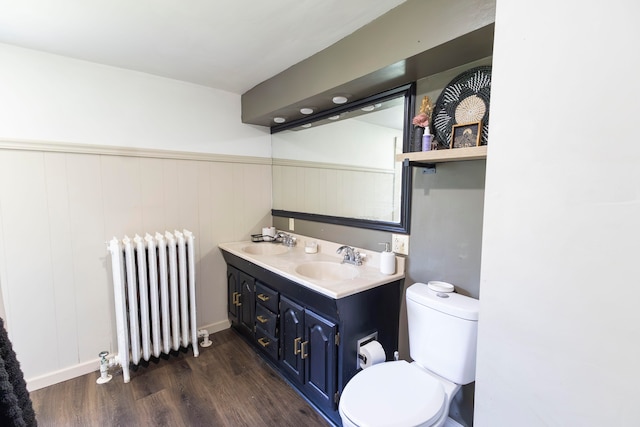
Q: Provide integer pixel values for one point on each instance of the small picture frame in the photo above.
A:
(466, 135)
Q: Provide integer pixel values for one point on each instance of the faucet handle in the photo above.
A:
(358, 257)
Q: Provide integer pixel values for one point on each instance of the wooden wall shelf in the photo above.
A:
(441, 156)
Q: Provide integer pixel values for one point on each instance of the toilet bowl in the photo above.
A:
(442, 343)
(402, 393)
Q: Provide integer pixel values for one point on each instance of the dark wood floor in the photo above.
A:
(227, 385)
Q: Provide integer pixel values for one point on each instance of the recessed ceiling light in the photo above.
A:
(334, 117)
(279, 119)
(368, 108)
(306, 110)
(339, 99)
(307, 125)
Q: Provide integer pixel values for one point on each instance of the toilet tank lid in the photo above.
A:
(452, 304)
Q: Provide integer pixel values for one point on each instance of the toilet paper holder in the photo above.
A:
(360, 343)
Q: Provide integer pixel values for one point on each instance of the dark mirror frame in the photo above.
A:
(409, 93)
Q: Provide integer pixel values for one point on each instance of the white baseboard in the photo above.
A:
(216, 327)
(63, 374)
(93, 365)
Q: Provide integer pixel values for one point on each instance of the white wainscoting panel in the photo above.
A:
(57, 210)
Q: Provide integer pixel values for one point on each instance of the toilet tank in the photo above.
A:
(443, 330)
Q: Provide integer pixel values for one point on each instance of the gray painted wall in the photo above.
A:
(446, 225)
(358, 237)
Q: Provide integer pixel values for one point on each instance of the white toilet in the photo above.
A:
(442, 341)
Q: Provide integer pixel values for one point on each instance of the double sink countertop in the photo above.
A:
(323, 271)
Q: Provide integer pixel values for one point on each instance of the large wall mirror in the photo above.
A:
(339, 166)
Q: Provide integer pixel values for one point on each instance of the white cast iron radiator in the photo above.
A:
(154, 287)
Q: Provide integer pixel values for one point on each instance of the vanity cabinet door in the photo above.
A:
(247, 303)
(233, 294)
(309, 351)
(320, 355)
(291, 337)
(241, 300)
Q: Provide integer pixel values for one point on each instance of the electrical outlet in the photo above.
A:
(400, 244)
(291, 224)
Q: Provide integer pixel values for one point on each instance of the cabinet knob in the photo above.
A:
(263, 342)
(262, 319)
(263, 297)
(296, 349)
(303, 350)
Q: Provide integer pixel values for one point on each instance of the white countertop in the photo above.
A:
(285, 264)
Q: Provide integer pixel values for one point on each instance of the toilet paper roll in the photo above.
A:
(268, 233)
(372, 353)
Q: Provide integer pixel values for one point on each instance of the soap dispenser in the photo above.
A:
(387, 260)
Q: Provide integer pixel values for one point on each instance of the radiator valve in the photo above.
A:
(104, 368)
(206, 342)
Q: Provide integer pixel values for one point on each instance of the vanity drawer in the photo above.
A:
(266, 297)
(267, 343)
(266, 319)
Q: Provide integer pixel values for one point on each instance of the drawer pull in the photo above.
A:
(236, 298)
(296, 349)
(303, 350)
(263, 342)
(263, 297)
(262, 319)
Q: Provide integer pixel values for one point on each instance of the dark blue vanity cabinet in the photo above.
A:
(309, 337)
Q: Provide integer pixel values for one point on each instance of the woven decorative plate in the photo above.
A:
(464, 100)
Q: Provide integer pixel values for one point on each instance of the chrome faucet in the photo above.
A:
(351, 256)
(286, 239)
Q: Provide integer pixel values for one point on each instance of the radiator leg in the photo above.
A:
(104, 368)
(206, 342)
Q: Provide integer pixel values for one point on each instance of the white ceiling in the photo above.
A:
(226, 44)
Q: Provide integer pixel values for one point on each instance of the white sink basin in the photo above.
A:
(324, 270)
(265, 249)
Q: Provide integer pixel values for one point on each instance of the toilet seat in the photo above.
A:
(393, 394)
